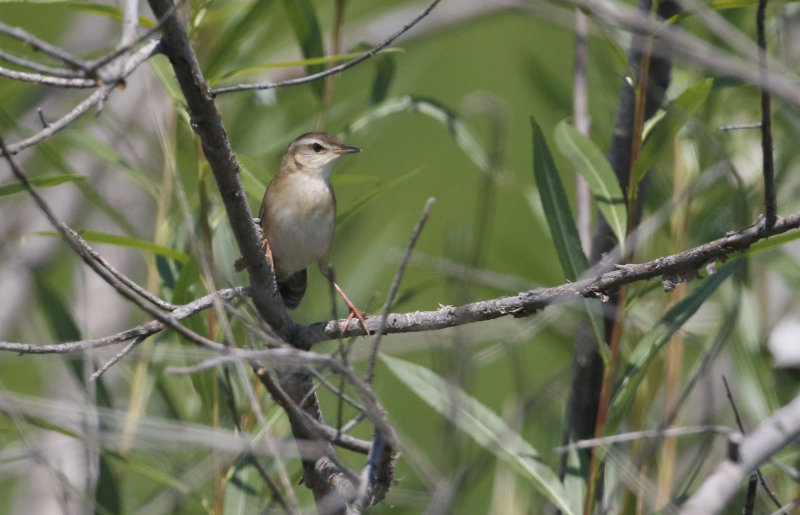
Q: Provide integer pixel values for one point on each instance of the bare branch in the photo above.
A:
(43, 46)
(45, 80)
(87, 254)
(675, 267)
(140, 331)
(336, 69)
(641, 435)
(95, 98)
(40, 68)
(779, 430)
(426, 211)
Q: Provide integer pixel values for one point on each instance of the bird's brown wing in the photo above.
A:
(293, 289)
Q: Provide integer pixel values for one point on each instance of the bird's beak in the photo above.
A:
(346, 149)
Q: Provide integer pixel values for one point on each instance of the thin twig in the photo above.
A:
(330, 71)
(86, 253)
(94, 99)
(641, 435)
(426, 211)
(114, 360)
(45, 80)
(740, 425)
(140, 331)
(43, 46)
(40, 68)
(739, 126)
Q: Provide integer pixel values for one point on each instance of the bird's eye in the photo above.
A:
(317, 147)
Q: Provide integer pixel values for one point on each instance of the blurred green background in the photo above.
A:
(452, 124)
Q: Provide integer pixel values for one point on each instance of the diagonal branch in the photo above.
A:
(336, 69)
(95, 98)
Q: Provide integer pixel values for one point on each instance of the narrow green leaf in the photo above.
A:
(361, 202)
(652, 342)
(679, 112)
(556, 208)
(485, 427)
(44, 182)
(126, 241)
(595, 168)
(228, 44)
(244, 485)
(303, 20)
(107, 492)
(385, 66)
(456, 127)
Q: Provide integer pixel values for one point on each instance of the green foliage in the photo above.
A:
(557, 209)
(436, 116)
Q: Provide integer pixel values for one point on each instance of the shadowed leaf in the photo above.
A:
(485, 427)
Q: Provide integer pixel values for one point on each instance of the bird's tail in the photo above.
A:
(293, 289)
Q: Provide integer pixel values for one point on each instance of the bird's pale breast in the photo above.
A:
(300, 223)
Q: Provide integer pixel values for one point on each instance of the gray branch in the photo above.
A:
(672, 268)
(779, 430)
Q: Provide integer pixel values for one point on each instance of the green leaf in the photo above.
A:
(661, 136)
(107, 492)
(126, 241)
(45, 182)
(361, 202)
(303, 20)
(652, 342)
(229, 43)
(455, 126)
(242, 494)
(485, 427)
(89, 7)
(556, 208)
(385, 67)
(595, 168)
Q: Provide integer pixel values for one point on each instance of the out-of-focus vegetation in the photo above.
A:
(445, 113)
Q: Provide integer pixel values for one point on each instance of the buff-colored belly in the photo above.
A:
(300, 226)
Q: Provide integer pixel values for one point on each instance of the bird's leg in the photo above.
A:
(354, 311)
(327, 271)
(268, 251)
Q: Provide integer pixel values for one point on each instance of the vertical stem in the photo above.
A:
(580, 111)
(770, 197)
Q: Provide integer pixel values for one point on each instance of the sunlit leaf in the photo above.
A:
(126, 241)
(457, 129)
(229, 43)
(595, 168)
(351, 209)
(678, 113)
(652, 342)
(485, 427)
(556, 208)
(44, 182)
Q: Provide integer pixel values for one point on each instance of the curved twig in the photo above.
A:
(330, 71)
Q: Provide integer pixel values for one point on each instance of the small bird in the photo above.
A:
(298, 214)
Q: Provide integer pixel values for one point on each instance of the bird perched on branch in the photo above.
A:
(298, 215)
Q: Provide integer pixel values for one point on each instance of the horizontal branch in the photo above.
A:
(673, 269)
(48, 80)
(140, 331)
